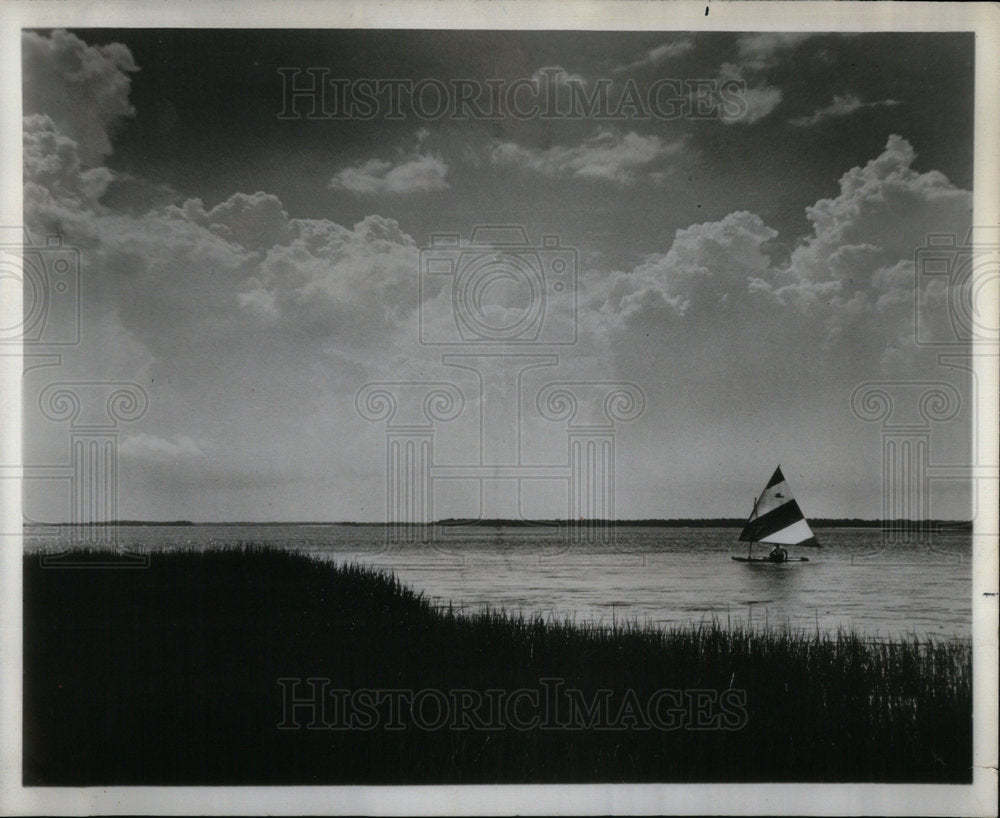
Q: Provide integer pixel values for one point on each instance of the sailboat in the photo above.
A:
(777, 520)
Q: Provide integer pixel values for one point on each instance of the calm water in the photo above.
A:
(666, 576)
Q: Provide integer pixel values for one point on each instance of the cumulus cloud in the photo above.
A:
(609, 156)
(255, 222)
(858, 264)
(247, 327)
(258, 327)
(841, 106)
(189, 277)
(355, 285)
(885, 205)
(84, 89)
(59, 191)
(705, 262)
(422, 173)
(849, 286)
(657, 55)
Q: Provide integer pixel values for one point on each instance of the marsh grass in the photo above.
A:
(168, 675)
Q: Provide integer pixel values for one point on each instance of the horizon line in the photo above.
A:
(511, 521)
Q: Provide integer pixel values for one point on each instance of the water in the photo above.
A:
(663, 576)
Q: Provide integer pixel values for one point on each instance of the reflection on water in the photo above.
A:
(665, 576)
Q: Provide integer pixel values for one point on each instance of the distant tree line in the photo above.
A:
(678, 522)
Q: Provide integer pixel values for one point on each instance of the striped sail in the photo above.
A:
(777, 518)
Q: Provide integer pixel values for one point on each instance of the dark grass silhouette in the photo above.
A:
(169, 675)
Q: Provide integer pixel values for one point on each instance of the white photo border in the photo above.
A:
(979, 798)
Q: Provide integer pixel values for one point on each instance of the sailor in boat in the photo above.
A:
(778, 554)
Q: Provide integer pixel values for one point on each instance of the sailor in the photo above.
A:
(778, 554)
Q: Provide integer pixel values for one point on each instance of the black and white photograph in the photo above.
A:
(499, 408)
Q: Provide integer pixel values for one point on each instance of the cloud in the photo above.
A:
(689, 326)
(841, 106)
(759, 51)
(145, 446)
(705, 262)
(422, 173)
(609, 156)
(255, 222)
(656, 55)
(761, 101)
(59, 192)
(250, 329)
(845, 298)
(186, 280)
(83, 89)
(756, 55)
(886, 205)
(191, 277)
(758, 100)
(355, 285)
(856, 270)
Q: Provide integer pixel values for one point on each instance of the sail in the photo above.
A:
(777, 518)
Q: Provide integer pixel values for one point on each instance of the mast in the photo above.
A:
(749, 541)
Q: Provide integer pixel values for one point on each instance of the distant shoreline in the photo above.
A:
(693, 522)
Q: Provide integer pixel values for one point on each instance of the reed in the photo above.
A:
(169, 675)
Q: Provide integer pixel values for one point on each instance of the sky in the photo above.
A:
(737, 255)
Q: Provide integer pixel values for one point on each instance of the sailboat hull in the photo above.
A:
(769, 560)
